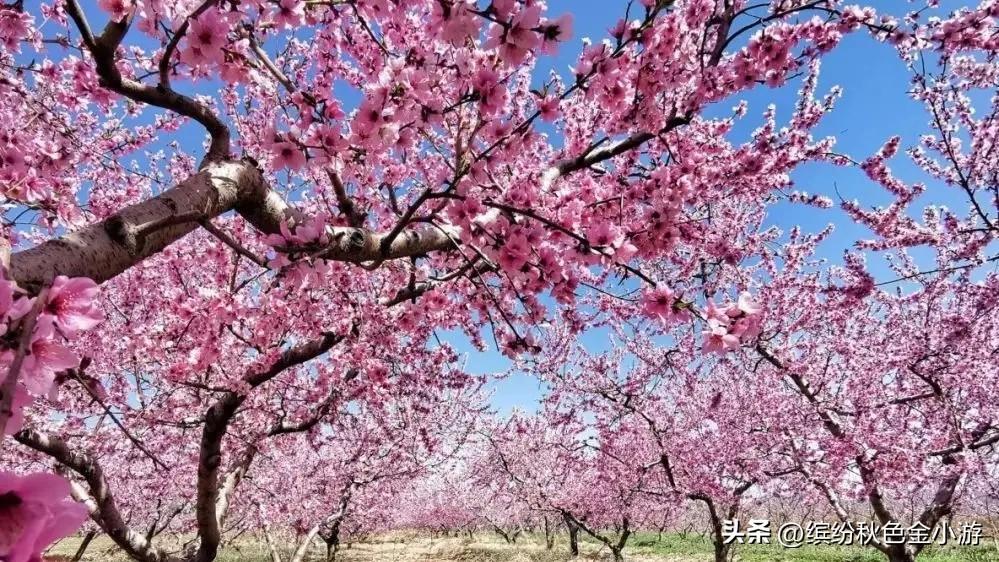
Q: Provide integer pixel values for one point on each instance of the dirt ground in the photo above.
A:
(486, 547)
(419, 549)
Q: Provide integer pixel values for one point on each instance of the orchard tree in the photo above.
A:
(892, 387)
(552, 463)
(343, 482)
(895, 376)
(159, 460)
(370, 172)
(697, 432)
(439, 503)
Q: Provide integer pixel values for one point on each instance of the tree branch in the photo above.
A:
(103, 508)
(217, 422)
(104, 51)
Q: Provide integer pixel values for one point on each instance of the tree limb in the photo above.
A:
(103, 509)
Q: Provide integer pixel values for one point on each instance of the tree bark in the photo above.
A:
(87, 539)
(899, 553)
(721, 549)
(303, 547)
(106, 249)
(271, 545)
(573, 535)
(332, 545)
(334, 522)
(210, 499)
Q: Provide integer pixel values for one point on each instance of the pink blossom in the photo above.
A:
(14, 26)
(662, 302)
(712, 311)
(518, 37)
(72, 305)
(6, 302)
(20, 399)
(465, 212)
(605, 235)
(35, 512)
(287, 155)
(118, 9)
(521, 32)
(549, 109)
(46, 358)
(312, 231)
(747, 327)
(659, 301)
(289, 13)
(515, 252)
(504, 8)
(457, 23)
(205, 39)
(555, 31)
(717, 338)
(492, 94)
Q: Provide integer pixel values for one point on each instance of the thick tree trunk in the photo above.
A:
(717, 537)
(573, 535)
(722, 550)
(623, 539)
(87, 539)
(899, 553)
(104, 250)
(332, 541)
(303, 546)
(331, 549)
(271, 544)
(549, 535)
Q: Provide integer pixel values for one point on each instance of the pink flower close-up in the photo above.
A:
(717, 338)
(35, 511)
(72, 305)
(288, 155)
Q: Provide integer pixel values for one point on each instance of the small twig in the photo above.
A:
(107, 410)
(354, 216)
(233, 243)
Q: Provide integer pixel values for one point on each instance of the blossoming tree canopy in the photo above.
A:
(230, 225)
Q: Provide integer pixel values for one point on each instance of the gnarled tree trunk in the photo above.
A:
(573, 528)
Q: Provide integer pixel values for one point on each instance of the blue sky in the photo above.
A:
(874, 107)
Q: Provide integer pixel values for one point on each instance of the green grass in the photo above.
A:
(645, 547)
(699, 547)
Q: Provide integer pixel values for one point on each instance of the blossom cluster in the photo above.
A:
(69, 308)
(731, 325)
(34, 510)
